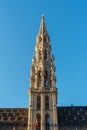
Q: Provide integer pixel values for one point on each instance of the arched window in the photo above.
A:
(46, 78)
(39, 74)
(38, 103)
(47, 103)
(38, 122)
(46, 74)
(39, 78)
(47, 122)
(45, 39)
(45, 54)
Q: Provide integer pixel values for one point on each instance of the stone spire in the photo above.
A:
(42, 31)
(42, 91)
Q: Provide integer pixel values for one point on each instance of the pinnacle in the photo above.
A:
(43, 29)
(42, 16)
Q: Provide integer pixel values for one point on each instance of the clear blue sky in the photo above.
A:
(66, 21)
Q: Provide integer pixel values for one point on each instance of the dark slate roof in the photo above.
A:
(72, 116)
(67, 116)
(13, 116)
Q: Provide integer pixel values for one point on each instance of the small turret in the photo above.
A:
(53, 77)
(32, 73)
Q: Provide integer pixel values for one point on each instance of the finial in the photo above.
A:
(42, 30)
(42, 16)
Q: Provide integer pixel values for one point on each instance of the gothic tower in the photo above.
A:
(42, 92)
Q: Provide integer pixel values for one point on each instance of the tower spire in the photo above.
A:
(43, 29)
(42, 91)
(42, 34)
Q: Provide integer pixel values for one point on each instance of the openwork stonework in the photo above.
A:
(43, 91)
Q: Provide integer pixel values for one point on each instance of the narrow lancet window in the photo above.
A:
(39, 78)
(46, 79)
(45, 55)
(38, 103)
(47, 122)
(47, 103)
(45, 39)
(38, 122)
